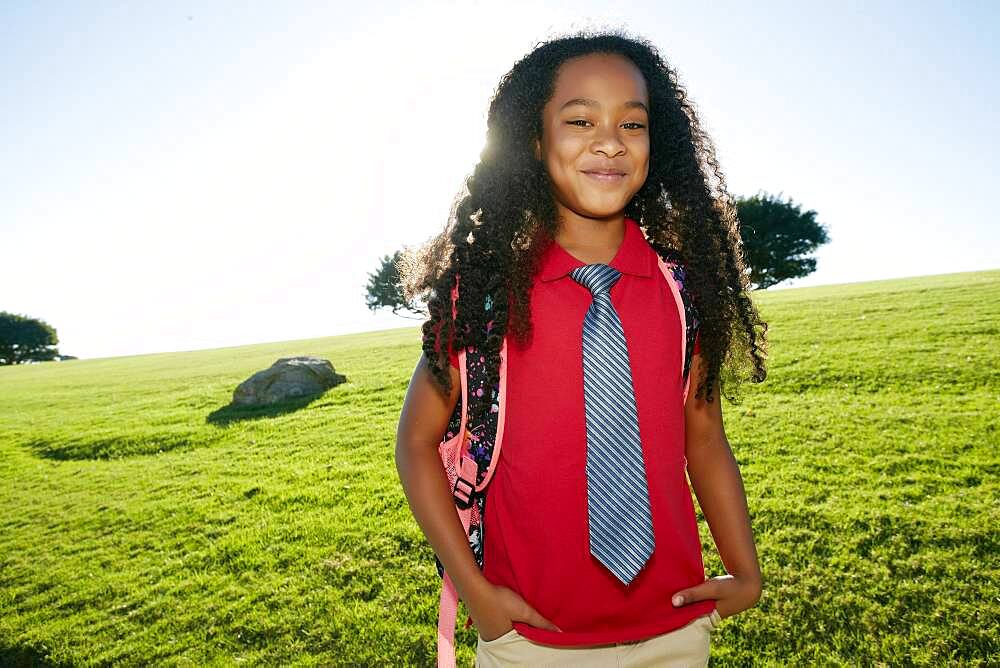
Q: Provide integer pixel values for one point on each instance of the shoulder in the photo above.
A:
(677, 268)
(674, 261)
(667, 253)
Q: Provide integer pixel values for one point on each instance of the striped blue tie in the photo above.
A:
(621, 525)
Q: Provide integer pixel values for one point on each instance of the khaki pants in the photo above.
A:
(686, 646)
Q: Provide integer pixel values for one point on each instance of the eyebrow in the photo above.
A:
(587, 102)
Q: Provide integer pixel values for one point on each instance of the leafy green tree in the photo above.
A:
(385, 289)
(24, 339)
(777, 238)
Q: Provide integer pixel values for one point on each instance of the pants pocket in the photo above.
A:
(714, 619)
(509, 634)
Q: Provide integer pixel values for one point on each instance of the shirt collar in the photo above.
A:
(633, 256)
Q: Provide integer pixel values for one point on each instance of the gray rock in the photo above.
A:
(288, 378)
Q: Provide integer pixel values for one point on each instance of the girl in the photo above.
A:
(594, 163)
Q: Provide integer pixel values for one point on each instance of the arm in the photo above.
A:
(718, 485)
(423, 420)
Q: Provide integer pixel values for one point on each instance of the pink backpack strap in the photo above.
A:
(466, 471)
(468, 465)
(675, 289)
(501, 416)
(448, 609)
(448, 603)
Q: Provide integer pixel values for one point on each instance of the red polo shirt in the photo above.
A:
(535, 528)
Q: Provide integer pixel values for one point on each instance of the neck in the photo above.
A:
(591, 240)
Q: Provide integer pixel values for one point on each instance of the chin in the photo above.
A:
(602, 208)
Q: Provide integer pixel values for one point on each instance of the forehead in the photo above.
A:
(608, 78)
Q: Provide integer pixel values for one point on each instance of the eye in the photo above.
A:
(579, 121)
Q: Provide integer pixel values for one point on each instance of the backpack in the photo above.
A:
(469, 469)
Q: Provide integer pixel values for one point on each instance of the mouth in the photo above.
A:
(606, 176)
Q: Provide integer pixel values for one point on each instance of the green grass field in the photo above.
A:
(142, 522)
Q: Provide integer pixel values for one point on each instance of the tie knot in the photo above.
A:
(598, 278)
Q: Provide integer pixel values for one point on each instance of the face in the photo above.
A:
(596, 121)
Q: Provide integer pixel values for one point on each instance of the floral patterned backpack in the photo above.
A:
(471, 444)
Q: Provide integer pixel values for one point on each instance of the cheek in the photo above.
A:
(641, 149)
(564, 151)
(642, 154)
(561, 160)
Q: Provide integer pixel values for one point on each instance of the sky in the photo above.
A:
(181, 176)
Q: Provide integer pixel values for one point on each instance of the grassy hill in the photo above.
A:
(143, 522)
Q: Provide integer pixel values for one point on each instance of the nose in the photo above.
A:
(608, 142)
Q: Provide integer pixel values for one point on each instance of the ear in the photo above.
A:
(538, 150)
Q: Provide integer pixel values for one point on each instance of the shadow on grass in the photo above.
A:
(25, 656)
(144, 444)
(232, 413)
(106, 448)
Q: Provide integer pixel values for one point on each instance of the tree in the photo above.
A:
(385, 289)
(24, 339)
(777, 236)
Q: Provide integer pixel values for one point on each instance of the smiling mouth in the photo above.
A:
(606, 177)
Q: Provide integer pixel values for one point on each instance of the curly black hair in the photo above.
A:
(500, 226)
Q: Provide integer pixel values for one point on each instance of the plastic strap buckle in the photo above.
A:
(465, 483)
